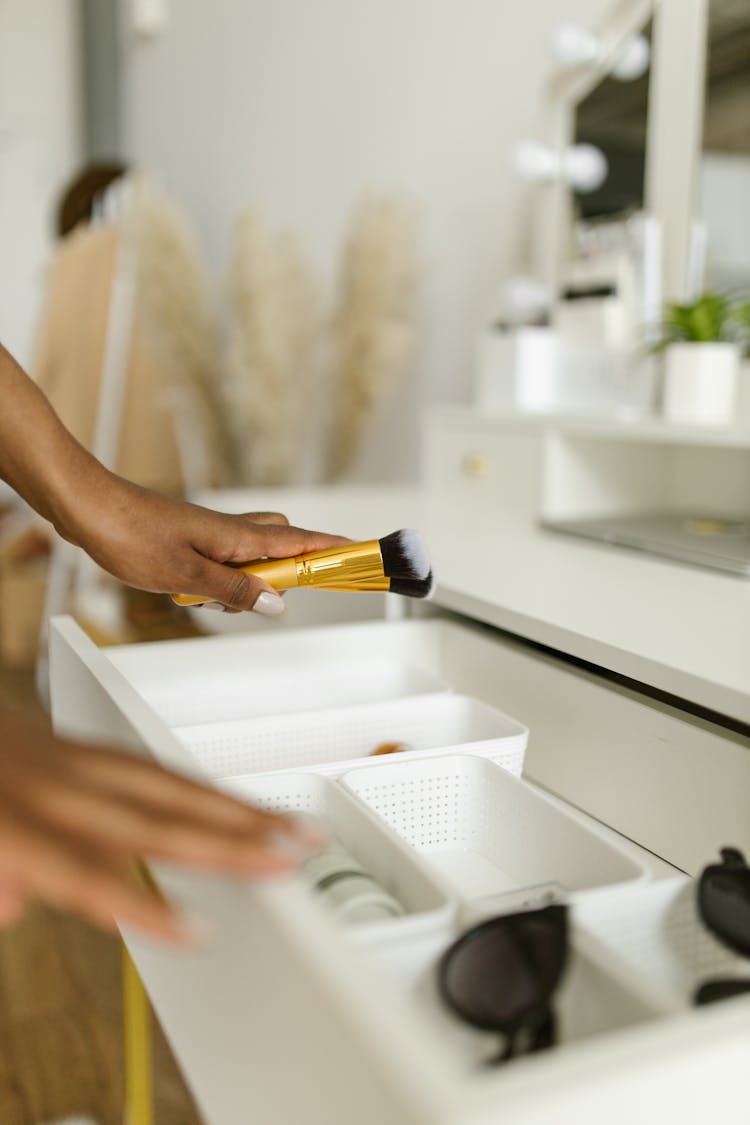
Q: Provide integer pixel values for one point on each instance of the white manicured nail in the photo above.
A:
(271, 605)
(217, 606)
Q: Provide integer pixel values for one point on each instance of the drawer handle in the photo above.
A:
(476, 465)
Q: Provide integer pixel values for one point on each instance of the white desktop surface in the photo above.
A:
(676, 628)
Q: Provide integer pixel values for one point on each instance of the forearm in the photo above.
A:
(39, 458)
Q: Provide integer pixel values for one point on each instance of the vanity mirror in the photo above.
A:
(613, 117)
(724, 165)
(649, 129)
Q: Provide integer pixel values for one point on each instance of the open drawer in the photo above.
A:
(288, 1017)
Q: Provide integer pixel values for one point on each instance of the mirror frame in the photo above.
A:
(674, 133)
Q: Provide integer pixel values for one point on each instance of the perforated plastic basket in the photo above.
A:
(428, 907)
(486, 831)
(656, 932)
(333, 740)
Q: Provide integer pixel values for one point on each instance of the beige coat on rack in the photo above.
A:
(68, 362)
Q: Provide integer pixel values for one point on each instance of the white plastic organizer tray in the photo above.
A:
(212, 679)
(333, 740)
(655, 931)
(486, 831)
(223, 690)
(428, 908)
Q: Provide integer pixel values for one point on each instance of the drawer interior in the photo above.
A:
(216, 679)
(454, 836)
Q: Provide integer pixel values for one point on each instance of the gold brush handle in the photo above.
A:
(354, 563)
(374, 585)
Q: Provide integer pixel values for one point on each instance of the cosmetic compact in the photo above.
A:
(347, 889)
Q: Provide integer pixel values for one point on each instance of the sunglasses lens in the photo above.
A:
(714, 990)
(505, 968)
(724, 902)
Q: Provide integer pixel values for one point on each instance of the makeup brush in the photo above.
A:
(402, 554)
(407, 587)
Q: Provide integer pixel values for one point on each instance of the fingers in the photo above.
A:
(266, 517)
(73, 818)
(235, 589)
(282, 542)
(225, 539)
(12, 902)
(238, 539)
(151, 784)
(140, 808)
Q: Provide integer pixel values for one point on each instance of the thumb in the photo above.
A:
(235, 590)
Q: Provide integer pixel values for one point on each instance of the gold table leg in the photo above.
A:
(139, 1101)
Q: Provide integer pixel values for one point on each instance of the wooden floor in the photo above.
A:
(60, 1013)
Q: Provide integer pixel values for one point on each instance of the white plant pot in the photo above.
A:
(700, 383)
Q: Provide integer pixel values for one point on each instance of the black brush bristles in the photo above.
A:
(414, 587)
(405, 555)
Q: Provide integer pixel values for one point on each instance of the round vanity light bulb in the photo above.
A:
(525, 298)
(533, 160)
(585, 167)
(573, 45)
(632, 59)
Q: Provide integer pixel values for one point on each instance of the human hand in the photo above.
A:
(167, 546)
(75, 818)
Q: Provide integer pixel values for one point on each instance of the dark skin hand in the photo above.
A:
(74, 819)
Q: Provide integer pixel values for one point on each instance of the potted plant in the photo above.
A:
(703, 343)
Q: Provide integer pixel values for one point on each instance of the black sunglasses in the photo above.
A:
(501, 976)
(724, 908)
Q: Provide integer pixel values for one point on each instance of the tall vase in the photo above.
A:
(700, 383)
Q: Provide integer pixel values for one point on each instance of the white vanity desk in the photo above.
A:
(278, 1023)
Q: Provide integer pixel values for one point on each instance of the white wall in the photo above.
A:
(301, 106)
(40, 147)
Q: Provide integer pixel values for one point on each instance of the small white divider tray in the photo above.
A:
(486, 831)
(428, 908)
(333, 740)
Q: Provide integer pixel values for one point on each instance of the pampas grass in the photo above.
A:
(372, 327)
(269, 377)
(176, 309)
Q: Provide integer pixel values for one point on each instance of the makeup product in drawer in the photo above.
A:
(391, 893)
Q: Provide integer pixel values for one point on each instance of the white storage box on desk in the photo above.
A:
(397, 869)
(488, 832)
(334, 740)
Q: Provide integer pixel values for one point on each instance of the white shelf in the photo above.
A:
(652, 430)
